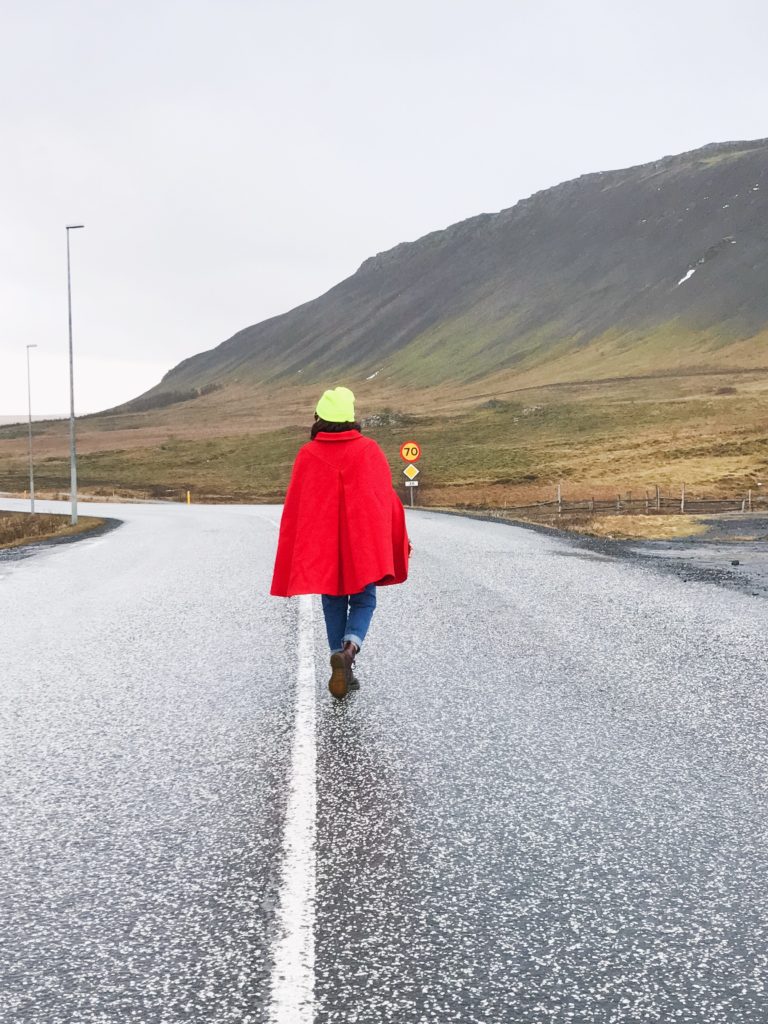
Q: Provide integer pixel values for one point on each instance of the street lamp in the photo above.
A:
(29, 406)
(72, 448)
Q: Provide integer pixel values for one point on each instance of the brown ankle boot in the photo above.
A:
(349, 651)
(354, 682)
(342, 678)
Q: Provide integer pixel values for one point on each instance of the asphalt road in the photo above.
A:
(546, 804)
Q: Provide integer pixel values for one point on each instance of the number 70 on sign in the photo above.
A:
(410, 451)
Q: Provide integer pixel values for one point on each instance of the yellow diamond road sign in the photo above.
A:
(411, 471)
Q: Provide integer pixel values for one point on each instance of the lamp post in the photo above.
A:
(72, 446)
(29, 406)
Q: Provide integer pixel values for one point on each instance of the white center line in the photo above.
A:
(292, 999)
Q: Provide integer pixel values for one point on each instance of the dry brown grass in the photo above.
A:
(611, 527)
(20, 528)
(485, 443)
(641, 527)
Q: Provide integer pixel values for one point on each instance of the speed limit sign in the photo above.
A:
(410, 451)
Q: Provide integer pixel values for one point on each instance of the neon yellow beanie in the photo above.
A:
(337, 406)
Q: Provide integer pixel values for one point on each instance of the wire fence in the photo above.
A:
(652, 503)
(635, 501)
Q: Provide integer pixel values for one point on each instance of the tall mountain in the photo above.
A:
(660, 265)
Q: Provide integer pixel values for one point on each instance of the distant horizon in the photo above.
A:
(10, 419)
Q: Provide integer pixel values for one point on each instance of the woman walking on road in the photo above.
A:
(343, 532)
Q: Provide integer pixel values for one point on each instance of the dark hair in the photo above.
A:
(325, 427)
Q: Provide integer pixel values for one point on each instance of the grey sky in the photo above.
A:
(232, 159)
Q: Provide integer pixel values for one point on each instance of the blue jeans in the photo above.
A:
(348, 617)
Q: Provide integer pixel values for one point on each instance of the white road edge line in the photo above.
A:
(292, 998)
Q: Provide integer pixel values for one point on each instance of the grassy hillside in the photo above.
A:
(640, 270)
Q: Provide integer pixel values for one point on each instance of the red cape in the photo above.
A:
(343, 526)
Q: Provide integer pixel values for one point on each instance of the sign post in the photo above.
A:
(410, 452)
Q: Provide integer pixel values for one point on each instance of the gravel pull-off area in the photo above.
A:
(733, 553)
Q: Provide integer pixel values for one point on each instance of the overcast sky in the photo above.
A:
(233, 158)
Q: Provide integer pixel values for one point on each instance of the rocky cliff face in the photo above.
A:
(668, 255)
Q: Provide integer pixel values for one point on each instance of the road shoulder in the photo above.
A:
(733, 553)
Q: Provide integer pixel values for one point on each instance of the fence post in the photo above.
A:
(618, 503)
(749, 494)
(647, 501)
(658, 499)
(559, 499)
(591, 504)
(682, 498)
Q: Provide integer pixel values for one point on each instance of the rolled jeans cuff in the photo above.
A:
(353, 639)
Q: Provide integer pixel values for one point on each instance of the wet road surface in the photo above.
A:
(546, 803)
